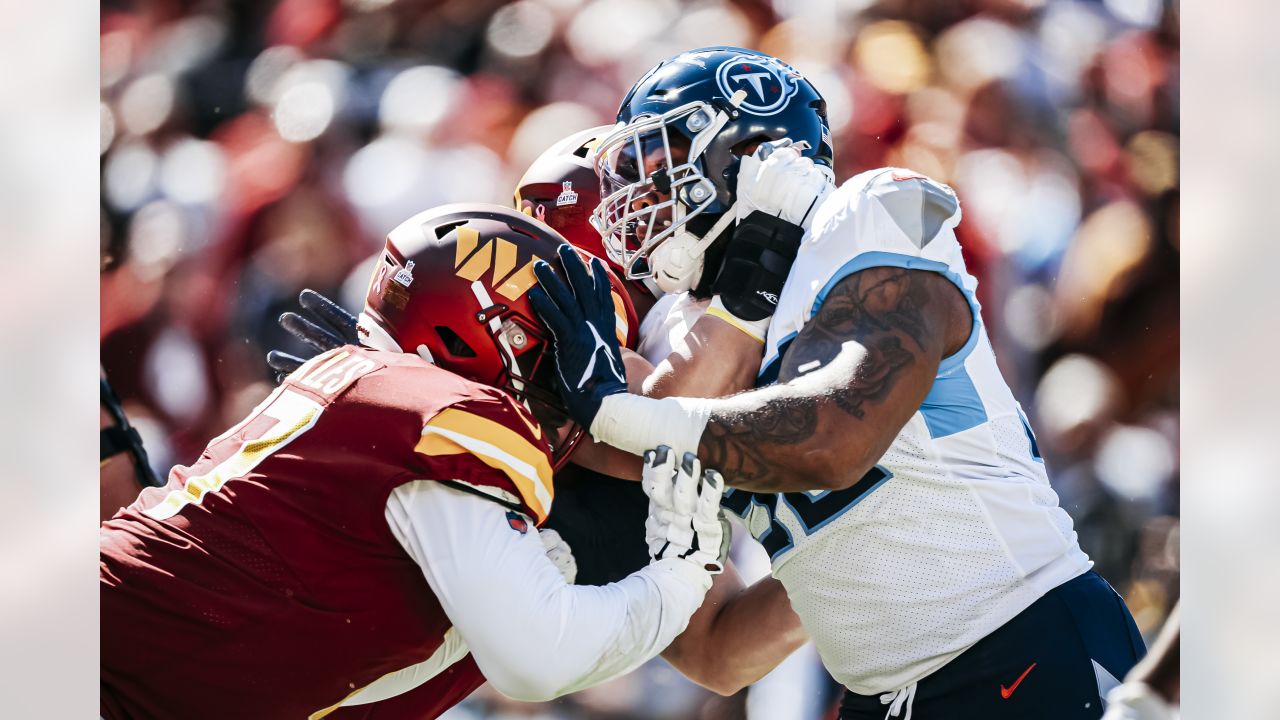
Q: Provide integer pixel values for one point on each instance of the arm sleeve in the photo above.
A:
(534, 636)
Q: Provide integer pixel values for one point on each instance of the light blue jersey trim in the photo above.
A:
(861, 494)
(769, 374)
(910, 262)
(952, 405)
(1031, 437)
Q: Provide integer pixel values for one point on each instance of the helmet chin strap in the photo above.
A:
(678, 262)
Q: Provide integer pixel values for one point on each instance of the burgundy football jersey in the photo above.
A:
(263, 581)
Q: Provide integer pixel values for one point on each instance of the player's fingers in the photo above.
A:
(550, 313)
(748, 171)
(646, 477)
(574, 269)
(318, 338)
(557, 291)
(685, 490)
(330, 313)
(283, 362)
(709, 493)
(656, 480)
(652, 528)
(767, 149)
(782, 154)
(604, 298)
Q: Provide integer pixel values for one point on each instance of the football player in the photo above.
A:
(883, 463)
(370, 530)
(598, 515)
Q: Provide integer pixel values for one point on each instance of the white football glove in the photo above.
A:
(684, 520)
(559, 553)
(777, 180)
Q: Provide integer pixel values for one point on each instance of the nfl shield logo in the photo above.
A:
(404, 275)
(567, 196)
(517, 522)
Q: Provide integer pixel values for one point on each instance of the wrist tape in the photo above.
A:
(635, 423)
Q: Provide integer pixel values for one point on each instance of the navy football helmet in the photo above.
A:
(668, 171)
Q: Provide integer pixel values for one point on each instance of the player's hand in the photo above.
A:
(778, 181)
(559, 553)
(778, 189)
(580, 315)
(685, 520)
(322, 326)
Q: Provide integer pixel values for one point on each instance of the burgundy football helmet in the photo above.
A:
(561, 189)
(452, 286)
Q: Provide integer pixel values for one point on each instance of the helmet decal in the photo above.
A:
(393, 293)
(567, 196)
(472, 258)
(768, 82)
(404, 275)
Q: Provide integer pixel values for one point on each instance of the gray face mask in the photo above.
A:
(652, 185)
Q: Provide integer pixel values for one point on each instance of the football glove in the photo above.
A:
(323, 326)
(559, 553)
(685, 520)
(580, 316)
(777, 180)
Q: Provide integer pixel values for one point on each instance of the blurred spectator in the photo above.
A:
(252, 149)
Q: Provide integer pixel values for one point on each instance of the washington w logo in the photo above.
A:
(472, 259)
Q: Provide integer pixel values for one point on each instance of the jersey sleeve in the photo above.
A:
(889, 210)
(491, 446)
(888, 217)
(533, 635)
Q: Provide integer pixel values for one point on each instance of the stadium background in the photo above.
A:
(253, 149)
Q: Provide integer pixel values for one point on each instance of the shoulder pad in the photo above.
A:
(919, 206)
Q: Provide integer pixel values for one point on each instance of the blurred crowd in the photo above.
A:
(249, 150)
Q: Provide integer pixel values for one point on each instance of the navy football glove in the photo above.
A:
(580, 315)
(323, 326)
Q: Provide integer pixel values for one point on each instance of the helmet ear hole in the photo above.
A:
(748, 146)
(455, 345)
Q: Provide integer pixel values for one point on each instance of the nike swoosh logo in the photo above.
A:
(1005, 692)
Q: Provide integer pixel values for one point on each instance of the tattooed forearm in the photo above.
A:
(875, 328)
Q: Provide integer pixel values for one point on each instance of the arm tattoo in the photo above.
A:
(881, 310)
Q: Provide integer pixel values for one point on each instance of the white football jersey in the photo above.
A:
(956, 530)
